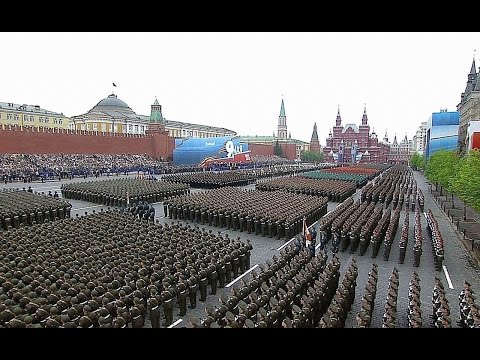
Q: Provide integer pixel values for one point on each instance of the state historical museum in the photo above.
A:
(350, 144)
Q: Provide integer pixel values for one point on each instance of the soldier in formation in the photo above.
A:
(123, 192)
(270, 214)
(25, 208)
(441, 308)
(107, 269)
(469, 314)
(333, 189)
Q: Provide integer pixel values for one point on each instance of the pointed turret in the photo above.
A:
(473, 69)
(385, 138)
(395, 140)
(472, 79)
(156, 113)
(314, 133)
(314, 143)
(477, 83)
(364, 117)
(338, 120)
(282, 123)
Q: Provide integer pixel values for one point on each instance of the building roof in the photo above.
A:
(113, 107)
(477, 85)
(112, 102)
(353, 126)
(314, 134)
(35, 109)
(282, 109)
(259, 139)
(173, 123)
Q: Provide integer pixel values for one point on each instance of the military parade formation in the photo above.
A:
(275, 213)
(122, 267)
(122, 192)
(360, 180)
(213, 180)
(333, 189)
(111, 270)
(24, 208)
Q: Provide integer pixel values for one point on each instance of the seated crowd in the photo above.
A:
(14, 167)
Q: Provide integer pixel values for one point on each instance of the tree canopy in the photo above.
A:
(459, 175)
(310, 156)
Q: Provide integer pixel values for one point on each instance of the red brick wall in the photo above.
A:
(289, 151)
(36, 141)
(260, 149)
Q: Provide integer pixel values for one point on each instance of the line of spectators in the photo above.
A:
(31, 167)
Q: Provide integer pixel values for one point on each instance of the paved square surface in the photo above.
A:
(458, 263)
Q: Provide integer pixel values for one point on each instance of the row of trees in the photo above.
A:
(460, 175)
(311, 156)
(417, 162)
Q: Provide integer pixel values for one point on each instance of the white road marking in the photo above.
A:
(175, 323)
(88, 207)
(425, 214)
(450, 285)
(289, 241)
(46, 187)
(239, 277)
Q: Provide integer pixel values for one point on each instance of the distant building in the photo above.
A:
(419, 138)
(282, 124)
(352, 144)
(469, 107)
(314, 143)
(442, 132)
(473, 135)
(400, 153)
(114, 115)
(263, 145)
(31, 115)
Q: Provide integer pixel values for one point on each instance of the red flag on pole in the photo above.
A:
(306, 232)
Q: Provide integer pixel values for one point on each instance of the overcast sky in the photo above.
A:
(236, 80)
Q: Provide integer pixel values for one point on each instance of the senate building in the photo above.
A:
(115, 116)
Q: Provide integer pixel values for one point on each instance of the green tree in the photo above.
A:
(417, 161)
(310, 156)
(466, 184)
(277, 149)
(442, 167)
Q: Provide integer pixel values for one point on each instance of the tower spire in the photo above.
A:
(282, 123)
(338, 120)
(364, 117)
(156, 112)
(314, 143)
(471, 80)
(473, 69)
